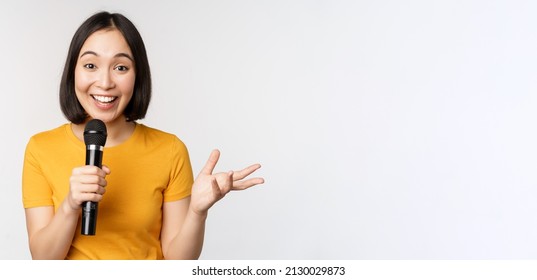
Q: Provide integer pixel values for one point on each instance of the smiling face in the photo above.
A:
(105, 75)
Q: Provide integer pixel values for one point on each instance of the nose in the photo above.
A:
(105, 80)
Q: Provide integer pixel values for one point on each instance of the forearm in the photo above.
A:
(54, 240)
(188, 243)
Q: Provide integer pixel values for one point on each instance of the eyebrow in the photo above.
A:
(117, 55)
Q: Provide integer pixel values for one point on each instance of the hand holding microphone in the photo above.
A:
(87, 182)
(94, 138)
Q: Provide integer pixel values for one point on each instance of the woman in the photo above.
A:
(150, 207)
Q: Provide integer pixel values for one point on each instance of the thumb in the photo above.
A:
(106, 169)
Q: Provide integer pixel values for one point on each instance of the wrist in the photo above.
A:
(68, 209)
(202, 215)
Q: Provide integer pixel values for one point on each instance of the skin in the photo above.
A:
(105, 69)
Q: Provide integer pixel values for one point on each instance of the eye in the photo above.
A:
(122, 68)
(89, 66)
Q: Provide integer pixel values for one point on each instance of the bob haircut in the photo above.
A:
(137, 107)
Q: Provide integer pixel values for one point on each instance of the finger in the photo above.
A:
(106, 169)
(242, 185)
(87, 195)
(101, 172)
(96, 189)
(90, 179)
(95, 197)
(211, 163)
(89, 170)
(241, 174)
(101, 190)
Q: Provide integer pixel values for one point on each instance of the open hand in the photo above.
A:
(209, 188)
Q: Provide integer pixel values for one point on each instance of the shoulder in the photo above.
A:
(48, 137)
(51, 143)
(52, 133)
(160, 137)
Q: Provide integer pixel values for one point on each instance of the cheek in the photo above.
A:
(127, 84)
(81, 81)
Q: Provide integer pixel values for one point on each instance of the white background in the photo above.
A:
(386, 129)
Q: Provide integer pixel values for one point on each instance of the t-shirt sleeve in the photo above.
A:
(181, 177)
(35, 188)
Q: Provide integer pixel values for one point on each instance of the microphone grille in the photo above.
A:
(95, 133)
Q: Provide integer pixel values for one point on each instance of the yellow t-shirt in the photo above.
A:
(150, 168)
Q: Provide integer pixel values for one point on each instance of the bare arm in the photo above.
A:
(50, 234)
(183, 232)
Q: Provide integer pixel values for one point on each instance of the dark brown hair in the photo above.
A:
(137, 107)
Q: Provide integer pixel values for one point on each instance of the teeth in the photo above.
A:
(104, 99)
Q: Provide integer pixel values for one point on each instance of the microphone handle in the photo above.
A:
(94, 156)
(89, 218)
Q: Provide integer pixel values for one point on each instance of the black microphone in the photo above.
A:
(94, 138)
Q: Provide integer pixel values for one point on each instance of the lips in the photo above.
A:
(104, 99)
(104, 102)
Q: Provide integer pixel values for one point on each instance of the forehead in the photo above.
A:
(106, 41)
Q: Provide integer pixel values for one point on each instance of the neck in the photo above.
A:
(118, 131)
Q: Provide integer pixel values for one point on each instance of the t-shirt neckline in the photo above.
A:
(71, 135)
